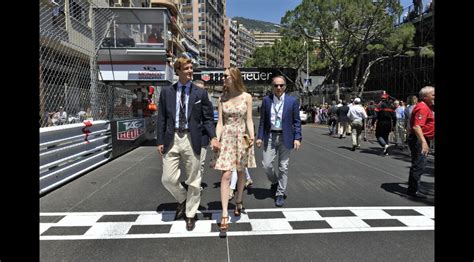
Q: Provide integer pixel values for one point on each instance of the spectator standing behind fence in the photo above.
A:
(422, 124)
(357, 116)
(418, 7)
(88, 114)
(60, 117)
(122, 110)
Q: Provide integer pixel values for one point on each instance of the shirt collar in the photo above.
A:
(181, 85)
(281, 99)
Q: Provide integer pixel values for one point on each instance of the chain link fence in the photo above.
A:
(70, 34)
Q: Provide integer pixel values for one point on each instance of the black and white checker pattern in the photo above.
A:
(151, 224)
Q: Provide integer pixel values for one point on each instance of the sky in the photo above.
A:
(271, 10)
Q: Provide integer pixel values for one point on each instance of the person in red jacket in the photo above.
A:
(422, 132)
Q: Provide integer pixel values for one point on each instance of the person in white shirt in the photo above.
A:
(60, 117)
(233, 182)
(357, 115)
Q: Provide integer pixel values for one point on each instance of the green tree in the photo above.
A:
(288, 52)
(342, 28)
(398, 43)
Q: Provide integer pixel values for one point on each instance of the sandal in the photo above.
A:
(238, 210)
(224, 224)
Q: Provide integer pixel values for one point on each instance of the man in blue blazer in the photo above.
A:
(184, 111)
(279, 131)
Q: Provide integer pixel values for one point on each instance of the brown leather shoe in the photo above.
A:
(190, 223)
(180, 211)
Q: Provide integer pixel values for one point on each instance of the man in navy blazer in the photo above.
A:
(279, 131)
(184, 112)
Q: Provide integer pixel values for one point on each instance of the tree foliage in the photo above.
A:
(288, 52)
(344, 29)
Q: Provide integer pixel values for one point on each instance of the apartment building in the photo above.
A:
(265, 38)
(245, 45)
(204, 20)
(230, 43)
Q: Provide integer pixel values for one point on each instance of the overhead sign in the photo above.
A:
(249, 75)
(124, 72)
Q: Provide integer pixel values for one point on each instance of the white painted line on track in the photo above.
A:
(241, 233)
(409, 218)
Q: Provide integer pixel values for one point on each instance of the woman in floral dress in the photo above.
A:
(235, 121)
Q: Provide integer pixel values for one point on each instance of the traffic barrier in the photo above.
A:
(69, 151)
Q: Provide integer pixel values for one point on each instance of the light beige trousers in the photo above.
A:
(182, 150)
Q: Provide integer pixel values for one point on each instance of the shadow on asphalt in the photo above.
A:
(346, 147)
(260, 193)
(149, 143)
(216, 205)
(397, 189)
(370, 150)
(167, 207)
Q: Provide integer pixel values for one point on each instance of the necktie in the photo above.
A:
(182, 109)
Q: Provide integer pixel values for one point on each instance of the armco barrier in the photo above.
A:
(69, 151)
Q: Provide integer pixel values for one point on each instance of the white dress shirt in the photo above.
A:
(277, 108)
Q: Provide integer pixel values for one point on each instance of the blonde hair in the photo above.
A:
(234, 72)
(181, 61)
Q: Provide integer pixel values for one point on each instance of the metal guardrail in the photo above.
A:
(69, 151)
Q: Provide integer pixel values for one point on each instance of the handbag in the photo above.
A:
(246, 140)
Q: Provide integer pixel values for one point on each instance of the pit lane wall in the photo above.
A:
(69, 151)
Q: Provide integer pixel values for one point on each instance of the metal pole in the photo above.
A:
(307, 74)
(115, 36)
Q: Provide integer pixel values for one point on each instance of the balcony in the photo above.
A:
(172, 7)
(134, 50)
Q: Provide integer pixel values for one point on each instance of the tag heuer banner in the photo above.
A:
(130, 129)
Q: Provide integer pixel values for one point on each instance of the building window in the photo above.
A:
(78, 12)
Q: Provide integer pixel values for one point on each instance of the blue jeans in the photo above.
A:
(418, 162)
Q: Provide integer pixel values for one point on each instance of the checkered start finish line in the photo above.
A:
(272, 221)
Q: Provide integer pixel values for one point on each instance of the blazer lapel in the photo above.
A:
(192, 98)
(173, 102)
(285, 107)
(269, 109)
